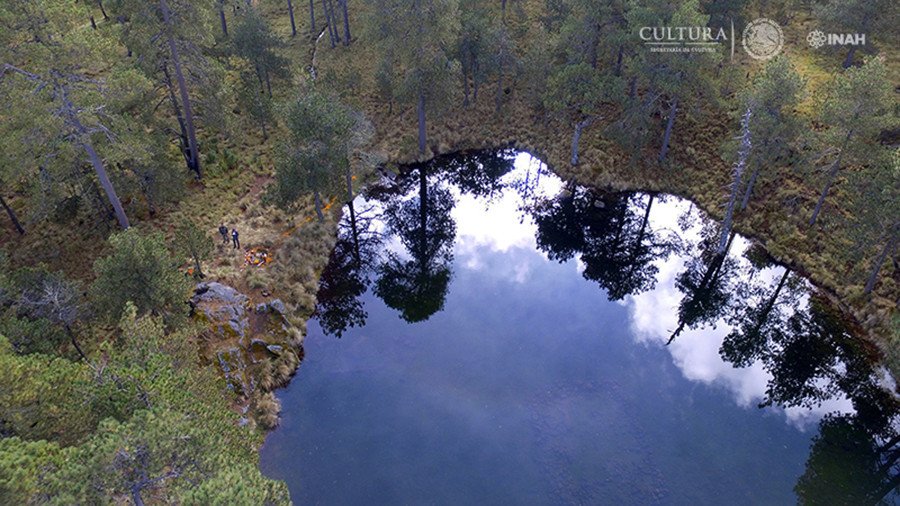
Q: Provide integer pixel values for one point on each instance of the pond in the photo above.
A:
(489, 334)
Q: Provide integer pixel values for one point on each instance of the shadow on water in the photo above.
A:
(398, 244)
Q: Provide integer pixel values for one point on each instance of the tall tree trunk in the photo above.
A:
(576, 137)
(136, 496)
(764, 315)
(749, 190)
(106, 184)
(93, 23)
(621, 53)
(423, 213)
(333, 17)
(268, 83)
(876, 267)
(632, 88)
(465, 75)
(318, 200)
(312, 18)
(474, 79)
(182, 88)
(75, 342)
(849, 59)
(100, 4)
(832, 172)
(183, 139)
(355, 233)
(291, 14)
(664, 150)
(743, 153)
(12, 216)
(349, 176)
(332, 31)
(222, 18)
(499, 99)
(343, 4)
(420, 109)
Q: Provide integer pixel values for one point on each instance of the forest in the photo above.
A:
(131, 130)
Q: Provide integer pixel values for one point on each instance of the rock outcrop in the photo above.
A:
(254, 345)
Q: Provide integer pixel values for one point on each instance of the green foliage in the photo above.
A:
(856, 106)
(31, 335)
(321, 135)
(191, 241)
(166, 432)
(576, 88)
(417, 42)
(43, 397)
(253, 40)
(257, 104)
(28, 470)
(139, 270)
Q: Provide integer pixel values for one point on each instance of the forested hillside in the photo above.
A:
(131, 130)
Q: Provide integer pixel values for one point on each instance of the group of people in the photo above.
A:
(235, 238)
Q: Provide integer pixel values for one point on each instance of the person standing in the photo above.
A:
(223, 231)
(235, 238)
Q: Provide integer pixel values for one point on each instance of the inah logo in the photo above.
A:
(818, 38)
(763, 39)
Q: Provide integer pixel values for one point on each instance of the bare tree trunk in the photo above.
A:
(821, 202)
(291, 14)
(465, 74)
(222, 18)
(743, 153)
(93, 23)
(312, 18)
(749, 190)
(318, 199)
(474, 79)
(183, 139)
(888, 249)
(576, 137)
(182, 88)
(349, 176)
(136, 496)
(75, 342)
(100, 4)
(632, 88)
(343, 4)
(420, 109)
(849, 59)
(334, 20)
(107, 185)
(764, 315)
(499, 99)
(664, 150)
(423, 209)
(621, 52)
(12, 216)
(835, 167)
(332, 31)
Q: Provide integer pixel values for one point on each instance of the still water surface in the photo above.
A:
(506, 343)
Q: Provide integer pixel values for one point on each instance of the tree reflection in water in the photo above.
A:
(776, 320)
(610, 234)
